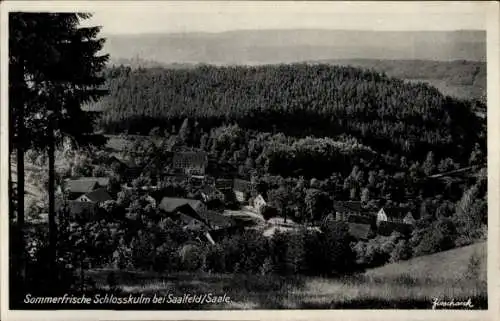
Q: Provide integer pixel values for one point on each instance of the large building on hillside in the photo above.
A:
(191, 162)
(350, 209)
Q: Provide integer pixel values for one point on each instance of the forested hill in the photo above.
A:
(384, 113)
(463, 79)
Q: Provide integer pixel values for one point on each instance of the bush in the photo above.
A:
(216, 259)
(287, 253)
(192, 257)
(402, 251)
(337, 254)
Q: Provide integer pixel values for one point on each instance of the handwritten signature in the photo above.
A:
(437, 303)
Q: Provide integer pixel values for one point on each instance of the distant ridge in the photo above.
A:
(252, 47)
(458, 78)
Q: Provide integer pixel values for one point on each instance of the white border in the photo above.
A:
(493, 180)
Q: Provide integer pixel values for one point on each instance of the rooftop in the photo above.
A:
(395, 212)
(82, 186)
(99, 195)
(170, 204)
(102, 181)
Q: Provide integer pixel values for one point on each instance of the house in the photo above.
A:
(126, 166)
(173, 206)
(191, 223)
(242, 189)
(78, 187)
(258, 203)
(97, 196)
(190, 162)
(390, 219)
(343, 210)
(394, 214)
(101, 181)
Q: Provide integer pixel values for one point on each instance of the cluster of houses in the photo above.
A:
(86, 194)
(364, 222)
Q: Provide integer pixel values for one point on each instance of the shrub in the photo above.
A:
(192, 257)
(216, 259)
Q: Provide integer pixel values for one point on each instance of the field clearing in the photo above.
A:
(392, 286)
(450, 264)
(454, 90)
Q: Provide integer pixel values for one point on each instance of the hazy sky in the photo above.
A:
(214, 16)
(118, 17)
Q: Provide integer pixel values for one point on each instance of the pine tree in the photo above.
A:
(54, 64)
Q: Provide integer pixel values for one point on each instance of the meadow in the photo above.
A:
(457, 274)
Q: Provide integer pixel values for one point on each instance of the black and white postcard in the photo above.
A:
(249, 160)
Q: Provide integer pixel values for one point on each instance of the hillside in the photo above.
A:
(459, 78)
(447, 265)
(299, 100)
(285, 46)
(405, 285)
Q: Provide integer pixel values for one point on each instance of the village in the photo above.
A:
(220, 206)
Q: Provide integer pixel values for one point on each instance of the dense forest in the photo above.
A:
(298, 100)
(463, 79)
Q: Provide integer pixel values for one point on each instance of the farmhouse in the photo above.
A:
(84, 185)
(390, 219)
(128, 167)
(190, 163)
(346, 210)
(174, 206)
(97, 196)
(395, 215)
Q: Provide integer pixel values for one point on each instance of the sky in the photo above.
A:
(130, 17)
(136, 17)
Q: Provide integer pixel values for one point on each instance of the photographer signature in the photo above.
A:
(437, 303)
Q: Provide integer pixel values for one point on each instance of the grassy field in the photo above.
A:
(411, 284)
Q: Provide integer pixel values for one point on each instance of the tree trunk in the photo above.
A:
(20, 167)
(19, 106)
(52, 222)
